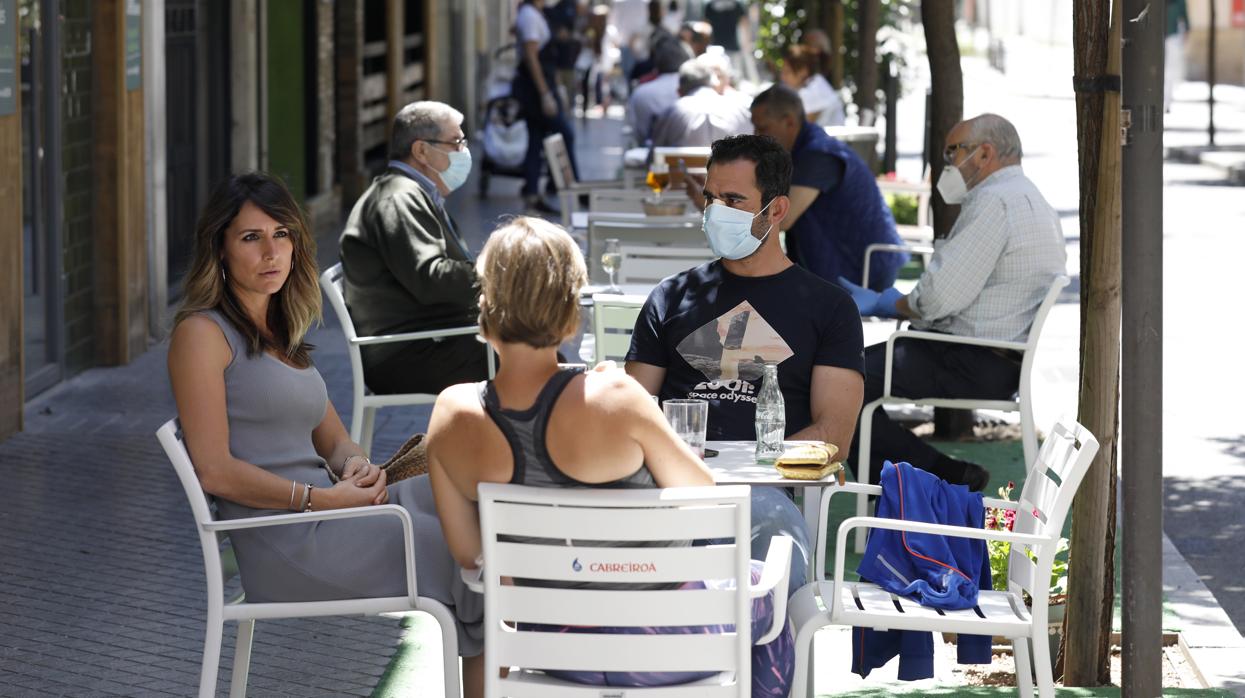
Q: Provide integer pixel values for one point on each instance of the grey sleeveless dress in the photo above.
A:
(272, 410)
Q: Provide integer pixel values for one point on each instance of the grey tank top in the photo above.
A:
(272, 409)
(525, 433)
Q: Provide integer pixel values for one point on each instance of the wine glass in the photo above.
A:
(611, 260)
(658, 177)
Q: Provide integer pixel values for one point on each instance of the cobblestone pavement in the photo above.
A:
(101, 576)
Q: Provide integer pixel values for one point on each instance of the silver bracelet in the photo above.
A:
(306, 497)
(293, 486)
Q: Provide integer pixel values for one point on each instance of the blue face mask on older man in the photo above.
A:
(458, 170)
(729, 231)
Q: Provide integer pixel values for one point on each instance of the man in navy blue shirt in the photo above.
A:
(836, 208)
(706, 332)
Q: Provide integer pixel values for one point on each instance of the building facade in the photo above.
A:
(119, 116)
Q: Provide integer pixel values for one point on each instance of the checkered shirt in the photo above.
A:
(990, 274)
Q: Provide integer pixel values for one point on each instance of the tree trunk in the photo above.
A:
(834, 29)
(867, 61)
(1096, 38)
(947, 105)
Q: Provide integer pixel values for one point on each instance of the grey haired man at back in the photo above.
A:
(701, 115)
(406, 267)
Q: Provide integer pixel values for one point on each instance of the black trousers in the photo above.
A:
(427, 366)
(929, 369)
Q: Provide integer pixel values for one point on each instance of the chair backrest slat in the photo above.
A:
(632, 524)
(170, 437)
(629, 200)
(650, 264)
(617, 608)
(613, 321)
(1043, 504)
(1039, 319)
(582, 562)
(571, 651)
(331, 282)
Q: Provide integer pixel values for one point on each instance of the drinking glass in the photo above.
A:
(689, 419)
(658, 177)
(611, 260)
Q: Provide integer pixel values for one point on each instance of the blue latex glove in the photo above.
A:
(866, 299)
(885, 306)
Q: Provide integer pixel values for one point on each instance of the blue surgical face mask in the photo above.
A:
(459, 168)
(729, 231)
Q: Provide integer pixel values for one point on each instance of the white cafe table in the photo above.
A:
(736, 464)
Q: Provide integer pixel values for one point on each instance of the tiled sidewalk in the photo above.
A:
(101, 576)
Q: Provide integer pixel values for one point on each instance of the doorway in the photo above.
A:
(41, 263)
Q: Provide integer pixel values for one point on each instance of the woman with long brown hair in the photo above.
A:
(261, 430)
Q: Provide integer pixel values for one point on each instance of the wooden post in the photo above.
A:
(395, 33)
(835, 25)
(867, 61)
(120, 247)
(947, 105)
(1091, 567)
(12, 370)
(348, 50)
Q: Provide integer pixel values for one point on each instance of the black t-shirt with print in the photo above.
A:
(712, 331)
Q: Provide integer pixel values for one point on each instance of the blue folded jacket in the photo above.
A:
(934, 570)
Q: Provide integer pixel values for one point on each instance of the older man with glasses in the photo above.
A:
(406, 267)
(986, 280)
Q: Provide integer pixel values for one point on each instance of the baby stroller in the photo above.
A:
(503, 131)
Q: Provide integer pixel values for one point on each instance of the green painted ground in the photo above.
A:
(416, 661)
(958, 692)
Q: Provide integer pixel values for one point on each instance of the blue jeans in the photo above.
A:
(539, 126)
(774, 514)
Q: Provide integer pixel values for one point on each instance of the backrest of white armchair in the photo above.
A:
(170, 438)
(593, 529)
(1043, 504)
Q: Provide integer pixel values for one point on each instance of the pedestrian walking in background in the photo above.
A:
(1173, 49)
(535, 86)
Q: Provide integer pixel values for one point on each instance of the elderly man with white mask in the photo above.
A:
(986, 280)
(406, 267)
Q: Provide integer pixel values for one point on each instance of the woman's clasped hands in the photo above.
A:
(362, 484)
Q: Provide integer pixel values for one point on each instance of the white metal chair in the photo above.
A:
(923, 231)
(674, 231)
(220, 610)
(630, 201)
(1022, 404)
(1052, 481)
(600, 520)
(613, 321)
(559, 159)
(365, 404)
(650, 264)
(926, 251)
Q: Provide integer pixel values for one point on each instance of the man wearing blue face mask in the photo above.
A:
(707, 332)
(986, 280)
(406, 267)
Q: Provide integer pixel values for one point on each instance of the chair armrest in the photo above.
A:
(411, 336)
(774, 577)
(408, 539)
(937, 337)
(920, 527)
(1000, 503)
(474, 579)
(823, 520)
